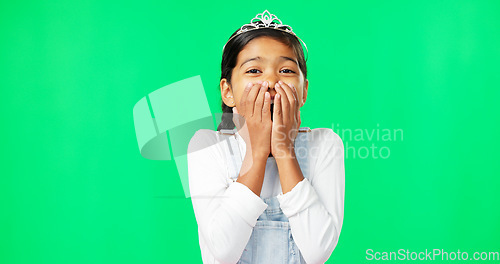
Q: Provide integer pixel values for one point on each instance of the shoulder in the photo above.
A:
(326, 137)
(202, 139)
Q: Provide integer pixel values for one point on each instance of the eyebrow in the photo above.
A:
(259, 58)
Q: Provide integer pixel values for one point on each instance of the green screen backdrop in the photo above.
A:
(412, 88)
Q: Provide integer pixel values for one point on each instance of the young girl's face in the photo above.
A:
(264, 59)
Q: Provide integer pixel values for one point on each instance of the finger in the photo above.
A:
(296, 95)
(292, 98)
(244, 96)
(285, 104)
(250, 100)
(290, 91)
(296, 105)
(277, 112)
(266, 109)
(259, 102)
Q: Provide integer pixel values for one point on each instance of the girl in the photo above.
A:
(267, 191)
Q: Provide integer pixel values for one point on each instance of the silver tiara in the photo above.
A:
(266, 20)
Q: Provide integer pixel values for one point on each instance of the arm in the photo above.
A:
(252, 172)
(315, 207)
(289, 166)
(254, 124)
(225, 211)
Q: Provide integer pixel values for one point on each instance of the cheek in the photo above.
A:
(237, 95)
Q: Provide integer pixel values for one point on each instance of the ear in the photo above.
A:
(304, 91)
(227, 93)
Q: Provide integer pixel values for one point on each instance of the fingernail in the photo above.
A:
(249, 84)
(280, 82)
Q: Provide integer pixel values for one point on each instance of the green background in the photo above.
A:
(75, 189)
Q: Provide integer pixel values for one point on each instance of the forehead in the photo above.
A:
(265, 47)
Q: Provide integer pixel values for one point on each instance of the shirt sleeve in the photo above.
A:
(315, 208)
(225, 211)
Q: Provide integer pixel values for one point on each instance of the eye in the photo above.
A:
(252, 71)
(287, 71)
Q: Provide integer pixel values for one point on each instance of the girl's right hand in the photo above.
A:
(253, 119)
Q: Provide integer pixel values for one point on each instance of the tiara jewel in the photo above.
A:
(266, 17)
(265, 20)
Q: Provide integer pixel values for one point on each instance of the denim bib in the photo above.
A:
(271, 240)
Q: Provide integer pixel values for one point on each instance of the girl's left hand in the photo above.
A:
(286, 120)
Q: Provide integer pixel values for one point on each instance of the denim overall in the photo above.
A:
(271, 240)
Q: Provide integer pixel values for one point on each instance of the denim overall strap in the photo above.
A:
(231, 152)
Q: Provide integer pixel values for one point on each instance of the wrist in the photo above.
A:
(285, 154)
(257, 155)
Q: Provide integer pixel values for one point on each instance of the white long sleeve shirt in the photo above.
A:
(226, 211)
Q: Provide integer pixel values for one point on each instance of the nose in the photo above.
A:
(271, 90)
(273, 80)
